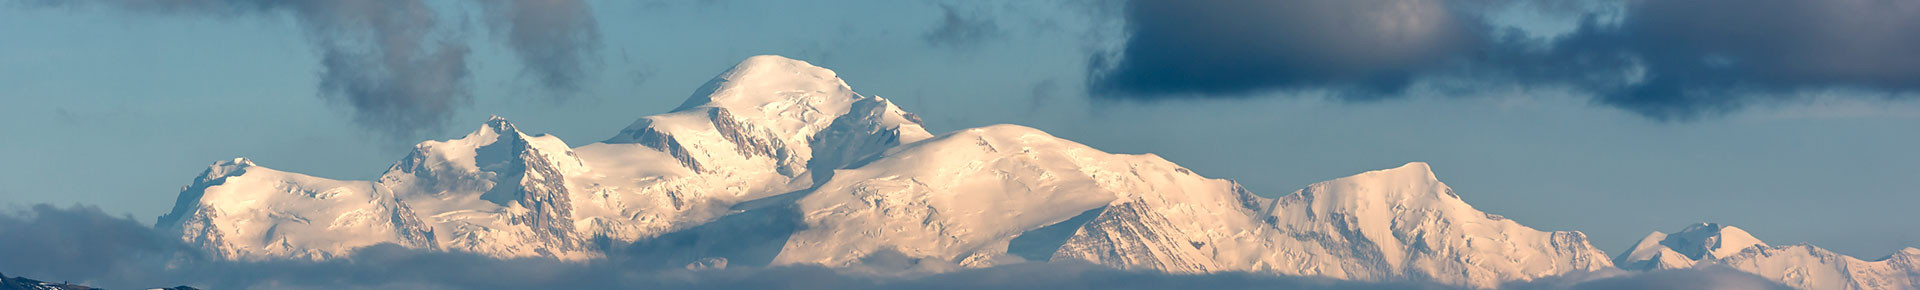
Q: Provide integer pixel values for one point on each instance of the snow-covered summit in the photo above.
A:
(772, 84)
(765, 117)
(190, 195)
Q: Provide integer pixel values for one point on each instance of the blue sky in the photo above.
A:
(120, 106)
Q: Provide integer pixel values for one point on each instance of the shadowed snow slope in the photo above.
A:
(1802, 266)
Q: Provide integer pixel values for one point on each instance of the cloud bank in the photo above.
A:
(86, 246)
(1667, 60)
(1215, 48)
(400, 66)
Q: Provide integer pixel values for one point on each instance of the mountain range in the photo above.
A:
(1803, 266)
(780, 162)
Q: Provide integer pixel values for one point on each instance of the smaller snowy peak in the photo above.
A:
(1801, 265)
(1698, 242)
(1805, 266)
(495, 141)
(1649, 254)
(1711, 240)
(189, 199)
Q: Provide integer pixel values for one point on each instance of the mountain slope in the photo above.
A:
(957, 199)
(1392, 224)
(1802, 266)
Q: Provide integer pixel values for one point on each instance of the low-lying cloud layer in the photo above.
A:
(1661, 59)
(81, 244)
(400, 66)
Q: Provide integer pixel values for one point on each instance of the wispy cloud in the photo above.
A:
(557, 40)
(400, 66)
(957, 29)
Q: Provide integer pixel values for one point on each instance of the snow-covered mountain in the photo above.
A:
(1803, 266)
(777, 161)
(1393, 224)
(498, 191)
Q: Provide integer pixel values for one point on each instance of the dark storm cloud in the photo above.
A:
(960, 30)
(1233, 48)
(84, 245)
(1713, 56)
(394, 63)
(1661, 59)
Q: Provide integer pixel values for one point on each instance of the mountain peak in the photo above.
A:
(497, 125)
(236, 162)
(772, 62)
(495, 130)
(1411, 180)
(224, 168)
(1697, 242)
(1415, 169)
(772, 83)
(1704, 239)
